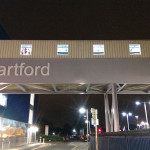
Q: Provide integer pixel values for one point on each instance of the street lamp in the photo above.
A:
(127, 115)
(74, 130)
(138, 103)
(82, 111)
(143, 124)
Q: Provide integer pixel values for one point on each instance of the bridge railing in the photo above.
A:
(130, 140)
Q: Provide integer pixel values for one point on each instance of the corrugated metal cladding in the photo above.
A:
(77, 48)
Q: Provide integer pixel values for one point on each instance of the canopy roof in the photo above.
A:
(73, 88)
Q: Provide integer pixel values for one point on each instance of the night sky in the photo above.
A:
(18, 107)
(74, 20)
(60, 109)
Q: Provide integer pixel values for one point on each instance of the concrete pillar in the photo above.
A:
(32, 96)
(30, 120)
(115, 108)
(107, 113)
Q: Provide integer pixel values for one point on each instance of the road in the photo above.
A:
(65, 146)
(57, 146)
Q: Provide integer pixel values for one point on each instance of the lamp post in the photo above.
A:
(82, 111)
(138, 103)
(137, 117)
(127, 115)
(89, 125)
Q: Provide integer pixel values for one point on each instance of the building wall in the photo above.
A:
(77, 48)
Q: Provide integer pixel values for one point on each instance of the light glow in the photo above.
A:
(137, 103)
(3, 100)
(124, 114)
(82, 110)
(130, 114)
(86, 121)
(99, 130)
(33, 129)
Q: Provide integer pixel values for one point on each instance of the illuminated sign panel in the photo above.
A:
(62, 49)
(135, 49)
(3, 100)
(98, 49)
(26, 49)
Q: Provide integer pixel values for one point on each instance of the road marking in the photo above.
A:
(41, 146)
(74, 148)
(73, 145)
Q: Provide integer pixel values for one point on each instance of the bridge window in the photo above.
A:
(135, 49)
(26, 49)
(98, 49)
(62, 49)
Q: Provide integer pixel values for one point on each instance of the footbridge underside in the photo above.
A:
(81, 88)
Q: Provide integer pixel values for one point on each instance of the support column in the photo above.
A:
(107, 113)
(115, 108)
(30, 121)
(112, 118)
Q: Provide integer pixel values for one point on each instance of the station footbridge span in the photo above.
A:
(76, 67)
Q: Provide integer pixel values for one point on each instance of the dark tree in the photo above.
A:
(67, 130)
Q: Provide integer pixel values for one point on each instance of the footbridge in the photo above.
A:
(76, 67)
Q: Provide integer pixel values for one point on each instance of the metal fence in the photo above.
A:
(131, 140)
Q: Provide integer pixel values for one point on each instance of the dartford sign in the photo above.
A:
(22, 68)
(48, 71)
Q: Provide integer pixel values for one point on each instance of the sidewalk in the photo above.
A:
(30, 146)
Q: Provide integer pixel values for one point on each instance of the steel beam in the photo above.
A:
(5, 87)
(38, 87)
(54, 87)
(21, 87)
(121, 87)
(87, 88)
(109, 87)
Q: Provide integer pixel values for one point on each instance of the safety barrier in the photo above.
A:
(131, 140)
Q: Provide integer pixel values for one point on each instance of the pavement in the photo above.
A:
(54, 146)
(33, 146)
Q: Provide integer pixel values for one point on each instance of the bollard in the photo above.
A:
(2, 145)
(8, 144)
(40, 139)
(43, 140)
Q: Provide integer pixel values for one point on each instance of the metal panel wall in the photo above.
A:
(77, 48)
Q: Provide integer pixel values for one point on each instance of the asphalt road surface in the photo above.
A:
(57, 146)
(65, 146)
